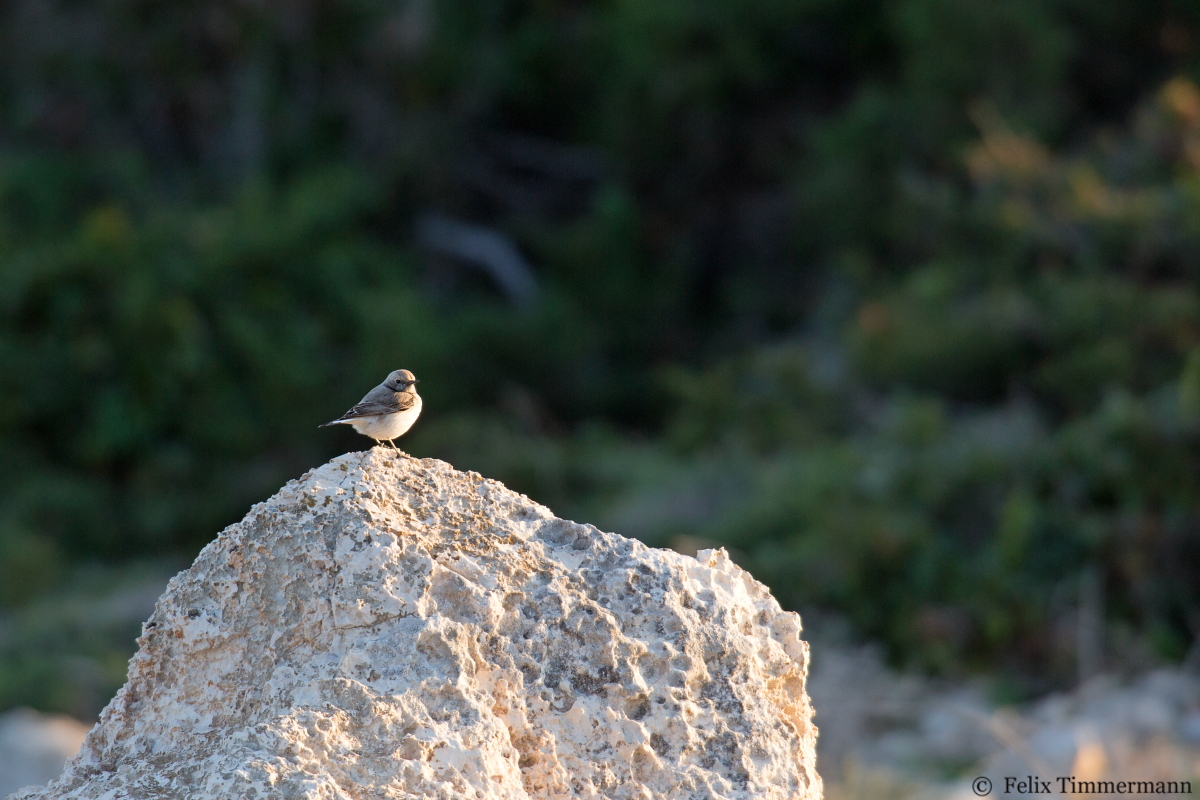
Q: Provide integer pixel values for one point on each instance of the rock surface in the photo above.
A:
(389, 627)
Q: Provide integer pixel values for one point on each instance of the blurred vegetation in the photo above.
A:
(899, 300)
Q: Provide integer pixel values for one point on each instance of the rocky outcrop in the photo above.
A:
(390, 627)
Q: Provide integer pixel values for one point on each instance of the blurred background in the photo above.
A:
(896, 300)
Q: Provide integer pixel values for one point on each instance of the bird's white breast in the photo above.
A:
(388, 426)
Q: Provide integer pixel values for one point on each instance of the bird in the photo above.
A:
(387, 411)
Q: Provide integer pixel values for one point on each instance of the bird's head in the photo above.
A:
(400, 380)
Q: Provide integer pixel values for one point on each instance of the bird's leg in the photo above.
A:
(393, 444)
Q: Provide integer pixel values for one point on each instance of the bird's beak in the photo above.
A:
(414, 380)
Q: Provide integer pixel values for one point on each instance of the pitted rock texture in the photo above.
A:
(387, 627)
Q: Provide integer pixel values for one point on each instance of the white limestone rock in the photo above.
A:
(386, 627)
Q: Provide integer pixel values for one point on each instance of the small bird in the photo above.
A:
(387, 411)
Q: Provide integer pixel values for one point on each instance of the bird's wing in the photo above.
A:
(378, 401)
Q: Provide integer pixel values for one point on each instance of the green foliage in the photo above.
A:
(29, 564)
(68, 651)
(149, 353)
(995, 429)
(163, 366)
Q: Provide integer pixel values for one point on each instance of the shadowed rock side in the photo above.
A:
(389, 627)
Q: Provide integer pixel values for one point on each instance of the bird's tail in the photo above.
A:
(334, 422)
